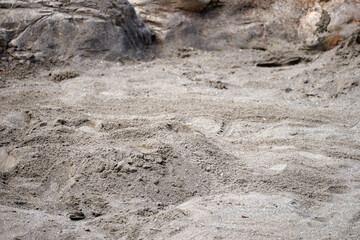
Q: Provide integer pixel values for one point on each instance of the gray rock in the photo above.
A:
(61, 30)
(76, 216)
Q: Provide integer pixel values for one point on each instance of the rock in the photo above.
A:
(236, 24)
(61, 30)
(59, 77)
(328, 23)
(265, 25)
(148, 157)
(279, 61)
(159, 160)
(217, 84)
(118, 167)
(76, 216)
(97, 214)
(350, 48)
(128, 169)
(192, 5)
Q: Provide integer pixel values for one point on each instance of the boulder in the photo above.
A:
(328, 23)
(61, 30)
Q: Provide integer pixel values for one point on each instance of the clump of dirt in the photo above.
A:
(217, 84)
(59, 77)
(184, 52)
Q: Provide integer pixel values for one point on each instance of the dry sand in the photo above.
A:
(196, 145)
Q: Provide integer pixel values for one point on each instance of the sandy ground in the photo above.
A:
(197, 145)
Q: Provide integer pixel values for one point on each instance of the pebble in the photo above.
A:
(76, 216)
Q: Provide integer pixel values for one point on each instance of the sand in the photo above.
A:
(202, 145)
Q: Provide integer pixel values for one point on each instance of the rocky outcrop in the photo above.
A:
(220, 24)
(258, 24)
(107, 29)
(61, 30)
(328, 23)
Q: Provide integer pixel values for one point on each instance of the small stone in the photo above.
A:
(185, 55)
(118, 167)
(147, 166)
(60, 122)
(159, 160)
(59, 77)
(149, 157)
(130, 161)
(217, 84)
(128, 169)
(96, 214)
(139, 164)
(100, 169)
(76, 216)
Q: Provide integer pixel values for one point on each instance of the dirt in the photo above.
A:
(207, 146)
(59, 77)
